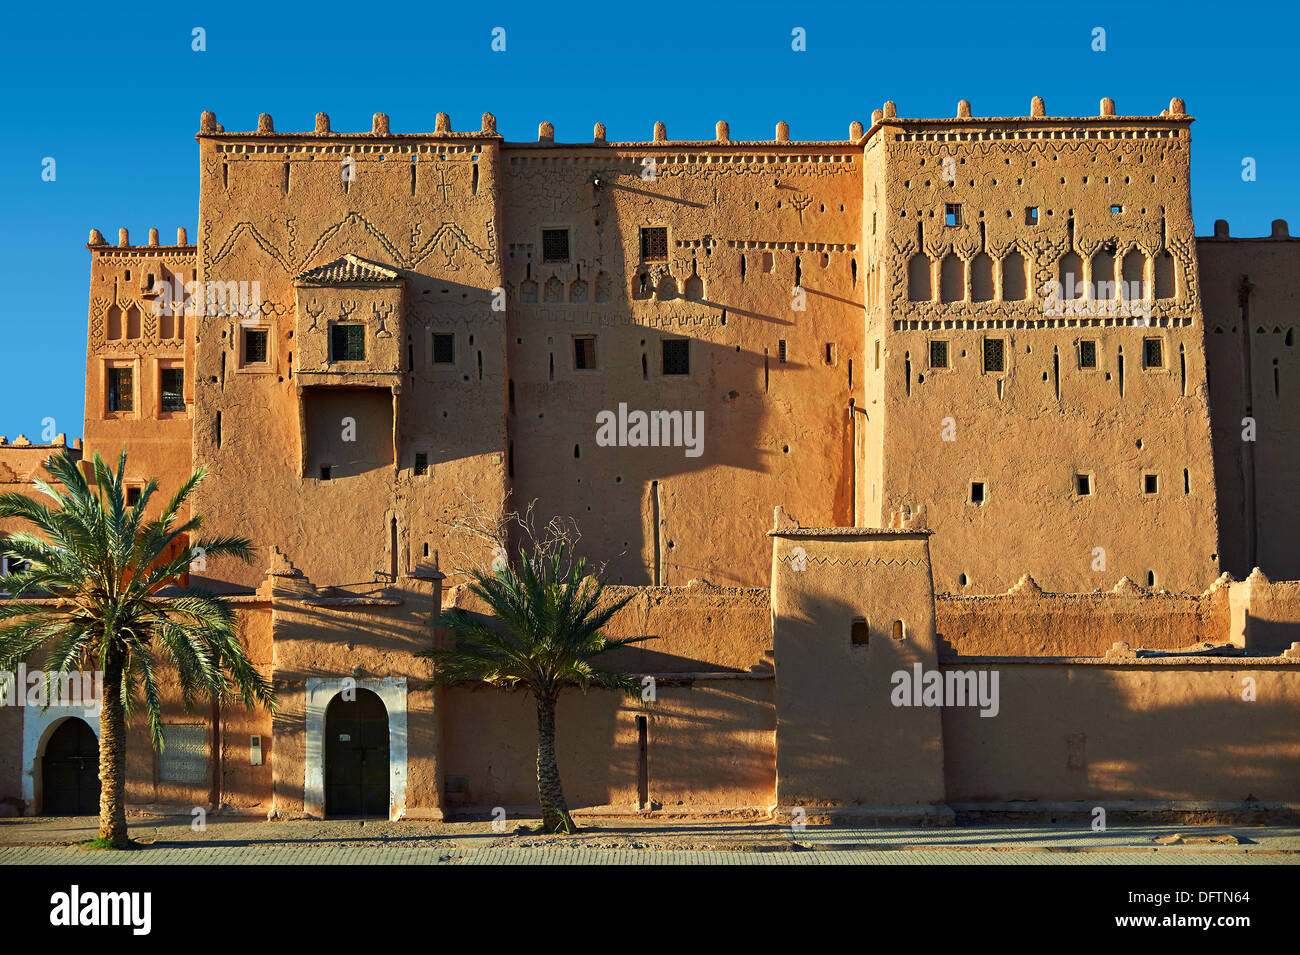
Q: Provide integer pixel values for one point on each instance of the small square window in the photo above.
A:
(555, 245)
(654, 244)
(325, 473)
(132, 496)
(421, 464)
(347, 343)
(1087, 354)
(994, 355)
(1083, 484)
(676, 356)
(171, 384)
(938, 354)
(121, 389)
(977, 492)
(1153, 353)
(444, 349)
(1031, 215)
(1116, 209)
(584, 352)
(1150, 484)
(952, 213)
(859, 635)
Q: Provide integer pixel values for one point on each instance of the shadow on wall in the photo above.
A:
(1067, 733)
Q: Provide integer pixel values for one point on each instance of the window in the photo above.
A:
(171, 385)
(555, 245)
(938, 354)
(444, 349)
(325, 472)
(1087, 354)
(952, 213)
(654, 244)
(421, 464)
(994, 355)
(132, 496)
(347, 343)
(897, 631)
(859, 635)
(780, 350)
(677, 356)
(977, 492)
(1116, 209)
(1150, 484)
(1031, 215)
(255, 344)
(1083, 484)
(121, 389)
(584, 351)
(184, 756)
(1152, 353)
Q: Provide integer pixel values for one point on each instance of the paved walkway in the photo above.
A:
(227, 841)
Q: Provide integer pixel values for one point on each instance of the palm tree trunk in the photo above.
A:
(112, 757)
(550, 794)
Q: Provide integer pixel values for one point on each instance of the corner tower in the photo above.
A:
(1035, 339)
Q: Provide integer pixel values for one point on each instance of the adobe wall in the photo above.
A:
(1028, 622)
(760, 277)
(11, 760)
(1254, 366)
(425, 210)
(710, 747)
(21, 463)
(1113, 203)
(141, 319)
(1141, 731)
(1265, 615)
(698, 628)
(852, 607)
(320, 639)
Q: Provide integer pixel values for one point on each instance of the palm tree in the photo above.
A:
(550, 629)
(117, 607)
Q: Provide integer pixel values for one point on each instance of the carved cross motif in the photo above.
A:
(444, 186)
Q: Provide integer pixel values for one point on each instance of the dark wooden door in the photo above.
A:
(356, 756)
(70, 771)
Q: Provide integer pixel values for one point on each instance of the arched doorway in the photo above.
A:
(70, 771)
(356, 756)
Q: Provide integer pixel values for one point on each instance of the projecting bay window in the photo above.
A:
(347, 343)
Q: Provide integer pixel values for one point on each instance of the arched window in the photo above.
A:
(981, 278)
(1070, 276)
(952, 279)
(918, 279)
(1014, 278)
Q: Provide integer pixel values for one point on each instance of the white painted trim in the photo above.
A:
(38, 726)
(392, 692)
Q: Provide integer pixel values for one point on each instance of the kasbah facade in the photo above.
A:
(966, 475)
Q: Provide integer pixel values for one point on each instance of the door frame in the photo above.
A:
(38, 726)
(392, 693)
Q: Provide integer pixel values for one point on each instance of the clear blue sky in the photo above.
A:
(113, 93)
